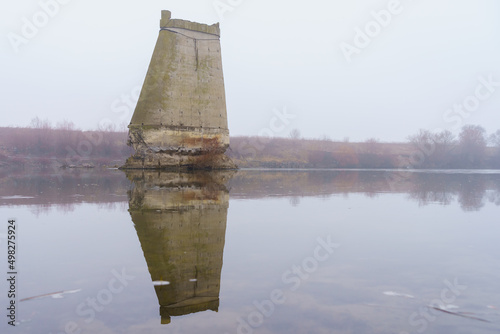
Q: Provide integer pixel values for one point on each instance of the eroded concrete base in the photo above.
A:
(178, 148)
(170, 161)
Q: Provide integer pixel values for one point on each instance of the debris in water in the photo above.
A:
(158, 283)
(459, 314)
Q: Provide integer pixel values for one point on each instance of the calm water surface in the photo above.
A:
(255, 252)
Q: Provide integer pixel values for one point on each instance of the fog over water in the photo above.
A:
(357, 69)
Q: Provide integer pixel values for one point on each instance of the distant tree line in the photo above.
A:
(44, 145)
(63, 144)
(473, 148)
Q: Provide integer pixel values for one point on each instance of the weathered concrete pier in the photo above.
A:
(180, 121)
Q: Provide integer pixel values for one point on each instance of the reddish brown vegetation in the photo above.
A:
(45, 146)
(302, 153)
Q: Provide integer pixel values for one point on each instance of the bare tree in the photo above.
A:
(445, 138)
(42, 132)
(295, 134)
(421, 139)
(66, 125)
(444, 145)
(472, 144)
(37, 123)
(423, 142)
(325, 137)
(494, 139)
(436, 147)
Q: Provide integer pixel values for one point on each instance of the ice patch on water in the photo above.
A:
(398, 294)
(60, 295)
(54, 295)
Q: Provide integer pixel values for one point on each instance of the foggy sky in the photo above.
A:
(426, 65)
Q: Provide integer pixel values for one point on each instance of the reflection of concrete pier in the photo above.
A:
(181, 223)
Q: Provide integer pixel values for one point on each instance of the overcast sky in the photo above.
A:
(339, 69)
